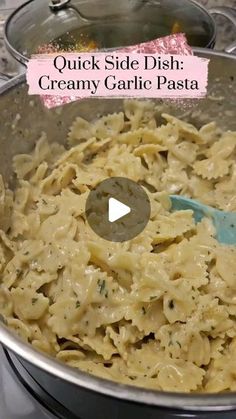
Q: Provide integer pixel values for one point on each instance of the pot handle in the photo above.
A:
(230, 14)
(56, 5)
(5, 77)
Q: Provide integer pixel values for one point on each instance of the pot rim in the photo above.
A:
(24, 59)
(181, 401)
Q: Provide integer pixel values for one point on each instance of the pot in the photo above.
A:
(111, 24)
(81, 395)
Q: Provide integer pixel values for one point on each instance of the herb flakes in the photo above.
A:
(34, 300)
(171, 304)
(77, 304)
(101, 285)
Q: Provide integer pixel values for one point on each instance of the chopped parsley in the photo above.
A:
(18, 272)
(101, 285)
(171, 304)
(77, 304)
(34, 300)
(144, 310)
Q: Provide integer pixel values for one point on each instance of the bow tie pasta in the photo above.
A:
(157, 311)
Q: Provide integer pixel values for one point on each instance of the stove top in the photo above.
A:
(16, 401)
(22, 398)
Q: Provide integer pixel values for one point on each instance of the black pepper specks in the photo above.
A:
(171, 304)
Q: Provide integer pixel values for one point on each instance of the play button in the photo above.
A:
(118, 209)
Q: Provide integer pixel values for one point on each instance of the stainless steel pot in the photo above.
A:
(111, 23)
(82, 395)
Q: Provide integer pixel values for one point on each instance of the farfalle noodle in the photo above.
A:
(157, 311)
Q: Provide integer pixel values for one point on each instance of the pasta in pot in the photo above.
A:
(157, 311)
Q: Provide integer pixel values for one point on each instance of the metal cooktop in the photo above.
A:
(16, 401)
(22, 398)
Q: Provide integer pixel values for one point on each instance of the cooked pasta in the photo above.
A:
(158, 311)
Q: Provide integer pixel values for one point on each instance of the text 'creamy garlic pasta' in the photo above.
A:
(157, 311)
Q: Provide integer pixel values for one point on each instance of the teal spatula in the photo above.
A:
(224, 222)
